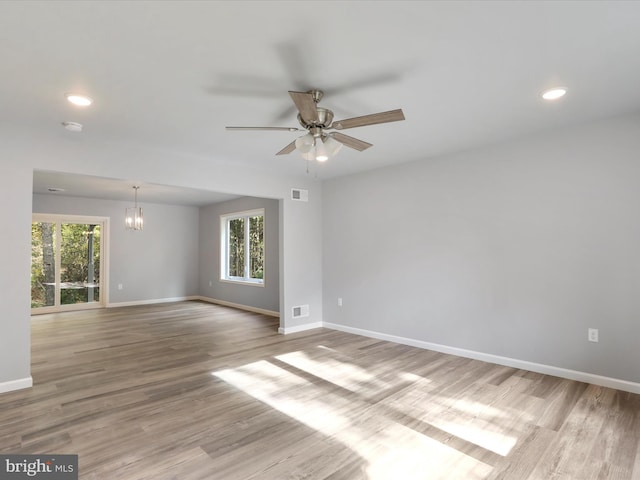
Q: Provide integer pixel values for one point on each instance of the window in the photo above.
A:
(242, 247)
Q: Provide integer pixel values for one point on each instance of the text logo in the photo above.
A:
(49, 467)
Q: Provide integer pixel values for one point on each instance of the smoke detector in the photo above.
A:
(72, 126)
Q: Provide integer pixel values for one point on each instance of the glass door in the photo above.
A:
(43, 264)
(79, 263)
(66, 264)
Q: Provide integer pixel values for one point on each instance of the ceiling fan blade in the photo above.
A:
(374, 118)
(306, 106)
(286, 129)
(350, 141)
(288, 149)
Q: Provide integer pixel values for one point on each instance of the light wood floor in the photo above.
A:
(197, 391)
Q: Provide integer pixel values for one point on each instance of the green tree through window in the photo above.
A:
(236, 247)
(256, 246)
(243, 246)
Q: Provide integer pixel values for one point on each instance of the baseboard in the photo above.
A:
(247, 308)
(195, 297)
(16, 384)
(149, 302)
(300, 328)
(609, 382)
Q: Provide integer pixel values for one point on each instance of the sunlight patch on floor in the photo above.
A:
(479, 432)
(471, 420)
(289, 394)
(476, 423)
(343, 374)
(407, 454)
(391, 450)
(412, 378)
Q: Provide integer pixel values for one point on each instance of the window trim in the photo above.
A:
(224, 247)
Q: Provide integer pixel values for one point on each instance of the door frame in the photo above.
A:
(104, 260)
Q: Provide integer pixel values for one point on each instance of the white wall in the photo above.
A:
(265, 297)
(514, 250)
(15, 241)
(44, 147)
(159, 262)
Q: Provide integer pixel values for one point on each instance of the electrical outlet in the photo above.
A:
(119, 286)
(593, 335)
(211, 283)
(339, 301)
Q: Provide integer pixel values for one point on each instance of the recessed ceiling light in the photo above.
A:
(79, 100)
(72, 126)
(554, 93)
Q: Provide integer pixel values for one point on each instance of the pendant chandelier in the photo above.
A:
(133, 215)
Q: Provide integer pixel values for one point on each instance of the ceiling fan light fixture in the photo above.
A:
(305, 143)
(321, 151)
(310, 155)
(317, 146)
(332, 146)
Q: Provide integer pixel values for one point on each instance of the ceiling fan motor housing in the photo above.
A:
(325, 117)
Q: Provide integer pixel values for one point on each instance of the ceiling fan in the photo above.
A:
(319, 144)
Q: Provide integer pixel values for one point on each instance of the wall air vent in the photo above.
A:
(299, 194)
(300, 311)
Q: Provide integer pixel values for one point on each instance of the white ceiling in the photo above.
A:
(117, 189)
(172, 74)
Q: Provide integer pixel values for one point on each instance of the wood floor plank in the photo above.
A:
(190, 390)
(613, 451)
(635, 471)
(570, 450)
(525, 456)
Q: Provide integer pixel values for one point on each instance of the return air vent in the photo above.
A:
(300, 311)
(299, 194)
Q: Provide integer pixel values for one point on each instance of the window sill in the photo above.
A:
(251, 283)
